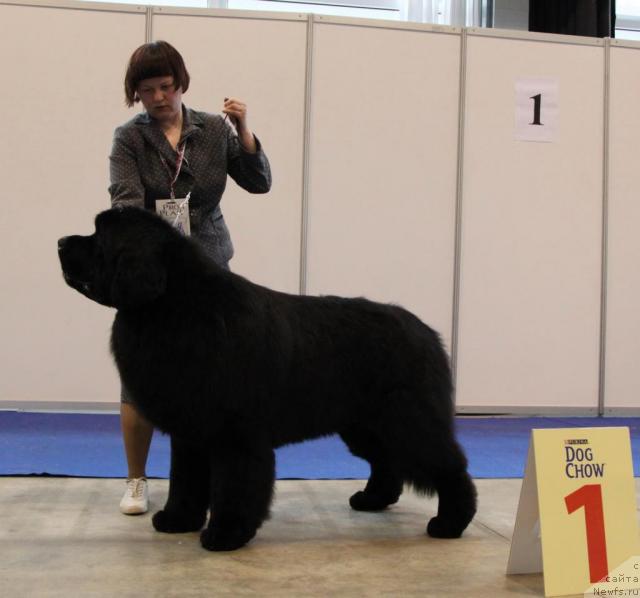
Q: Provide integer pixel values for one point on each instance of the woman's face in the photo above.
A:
(160, 98)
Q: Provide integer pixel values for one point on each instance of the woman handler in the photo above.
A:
(169, 152)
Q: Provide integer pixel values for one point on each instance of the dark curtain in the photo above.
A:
(592, 18)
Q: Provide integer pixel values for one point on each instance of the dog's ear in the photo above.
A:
(137, 280)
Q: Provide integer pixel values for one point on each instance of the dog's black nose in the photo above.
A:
(62, 242)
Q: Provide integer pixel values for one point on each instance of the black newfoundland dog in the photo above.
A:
(232, 370)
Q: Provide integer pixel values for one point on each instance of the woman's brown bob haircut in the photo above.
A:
(155, 59)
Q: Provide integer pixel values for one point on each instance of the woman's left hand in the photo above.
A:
(237, 112)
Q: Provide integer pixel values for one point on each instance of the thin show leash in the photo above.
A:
(174, 178)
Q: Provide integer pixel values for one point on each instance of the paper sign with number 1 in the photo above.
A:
(537, 109)
(577, 517)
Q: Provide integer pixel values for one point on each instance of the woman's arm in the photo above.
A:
(236, 110)
(250, 170)
(126, 186)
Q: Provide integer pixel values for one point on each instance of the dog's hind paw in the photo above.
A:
(221, 539)
(442, 528)
(364, 501)
(176, 523)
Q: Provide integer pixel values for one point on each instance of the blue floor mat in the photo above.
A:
(90, 445)
(497, 447)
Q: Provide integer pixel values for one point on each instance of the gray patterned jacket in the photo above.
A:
(139, 176)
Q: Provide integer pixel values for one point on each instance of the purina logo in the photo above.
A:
(579, 460)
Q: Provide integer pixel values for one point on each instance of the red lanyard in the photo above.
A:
(174, 177)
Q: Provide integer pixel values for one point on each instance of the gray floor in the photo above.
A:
(65, 537)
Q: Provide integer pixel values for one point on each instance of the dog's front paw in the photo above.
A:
(171, 522)
(220, 539)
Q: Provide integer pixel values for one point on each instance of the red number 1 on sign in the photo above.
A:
(589, 496)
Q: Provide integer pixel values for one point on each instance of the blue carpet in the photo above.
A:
(89, 445)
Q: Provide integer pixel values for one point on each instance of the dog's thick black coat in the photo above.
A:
(231, 370)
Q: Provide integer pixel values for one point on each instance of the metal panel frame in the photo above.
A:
(228, 13)
(77, 5)
(528, 36)
(382, 24)
(625, 43)
(528, 410)
(61, 406)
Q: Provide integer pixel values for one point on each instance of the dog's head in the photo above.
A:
(122, 264)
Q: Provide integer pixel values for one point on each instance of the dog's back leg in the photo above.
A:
(456, 504)
(421, 450)
(385, 483)
(435, 462)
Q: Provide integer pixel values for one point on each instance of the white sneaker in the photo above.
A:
(136, 497)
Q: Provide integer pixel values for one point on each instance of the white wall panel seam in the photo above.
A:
(306, 149)
(148, 29)
(458, 210)
(605, 225)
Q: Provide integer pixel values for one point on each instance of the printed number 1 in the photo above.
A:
(589, 496)
(537, 104)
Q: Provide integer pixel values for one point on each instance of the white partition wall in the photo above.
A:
(529, 321)
(260, 59)
(398, 176)
(383, 165)
(62, 98)
(622, 374)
